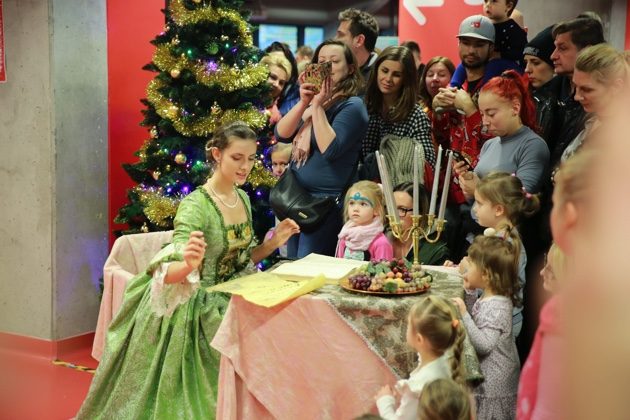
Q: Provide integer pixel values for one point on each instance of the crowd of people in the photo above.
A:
(525, 118)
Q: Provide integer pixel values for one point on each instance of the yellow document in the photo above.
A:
(266, 289)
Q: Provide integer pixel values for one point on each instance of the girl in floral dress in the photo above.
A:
(492, 266)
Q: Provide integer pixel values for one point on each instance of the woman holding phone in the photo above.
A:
(508, 113)
(326, 127)
(391, 99)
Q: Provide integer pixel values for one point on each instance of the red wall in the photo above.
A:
(437, 34)
(131, 25)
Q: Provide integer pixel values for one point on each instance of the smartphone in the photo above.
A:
(316, 73)
(460, 157)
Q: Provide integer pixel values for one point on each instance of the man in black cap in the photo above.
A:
(540, 72)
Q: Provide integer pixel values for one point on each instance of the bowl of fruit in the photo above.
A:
(388, 278)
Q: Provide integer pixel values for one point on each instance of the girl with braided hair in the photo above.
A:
(433, 328)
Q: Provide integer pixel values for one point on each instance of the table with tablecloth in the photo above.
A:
(321, 356)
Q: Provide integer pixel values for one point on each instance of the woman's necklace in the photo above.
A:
(230, 206)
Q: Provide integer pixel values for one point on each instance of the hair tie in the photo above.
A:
(526, 194)
(490, 232)
(513, 174)
(455, 323)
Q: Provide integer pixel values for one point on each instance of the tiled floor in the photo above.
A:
(34, 388)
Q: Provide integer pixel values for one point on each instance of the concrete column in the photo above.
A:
(53, 140)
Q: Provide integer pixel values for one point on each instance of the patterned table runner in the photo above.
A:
(382, 322)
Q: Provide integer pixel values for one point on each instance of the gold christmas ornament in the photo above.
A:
(180, 158)
(154, 132)
(175, 73)
(172, 112)
(168, 168)
(144, 228)
(156, 175)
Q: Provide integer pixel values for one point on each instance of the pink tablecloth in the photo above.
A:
(130, 255)
(299, 360)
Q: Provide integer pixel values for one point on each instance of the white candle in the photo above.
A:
(416, 197)
(447, 182)
(436, 179)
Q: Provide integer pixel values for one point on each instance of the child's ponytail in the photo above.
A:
(436, 319)
(507, 190)
(459, 332)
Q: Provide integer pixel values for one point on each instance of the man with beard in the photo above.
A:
(458, 118)
(476, 44)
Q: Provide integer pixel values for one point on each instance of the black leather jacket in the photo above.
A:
(547, 105)
(568, 118)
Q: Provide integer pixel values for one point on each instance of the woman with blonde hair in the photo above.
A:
(600, 77)
(279, 75)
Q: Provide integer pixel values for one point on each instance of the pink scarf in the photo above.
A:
(359, 237)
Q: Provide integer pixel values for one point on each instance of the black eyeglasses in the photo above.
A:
(402, 211)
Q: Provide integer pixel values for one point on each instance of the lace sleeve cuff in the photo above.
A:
(165, 298)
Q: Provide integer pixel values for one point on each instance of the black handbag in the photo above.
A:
(289, 199)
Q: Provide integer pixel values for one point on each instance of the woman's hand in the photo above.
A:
(468, 183)
(460, 167)
(386, 390)
(445, 98)
(459, 303)
(307, 92)
(464, 102)
(194, 250)
(325, 93)
(284, 230)
(449, 263)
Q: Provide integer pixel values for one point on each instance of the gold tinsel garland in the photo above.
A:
(201, 126)
(157, 207)
(230, 78)
(261, 176)
(182, 16)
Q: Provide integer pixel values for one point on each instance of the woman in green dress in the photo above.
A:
(158, 363)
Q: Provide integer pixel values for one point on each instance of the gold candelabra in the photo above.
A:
(416, 230)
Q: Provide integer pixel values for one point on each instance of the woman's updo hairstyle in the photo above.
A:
(221, 137)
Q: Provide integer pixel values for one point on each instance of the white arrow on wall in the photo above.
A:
(413, 7)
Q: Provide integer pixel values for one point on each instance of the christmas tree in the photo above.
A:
(207, 75)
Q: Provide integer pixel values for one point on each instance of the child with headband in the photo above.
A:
(362, 237)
